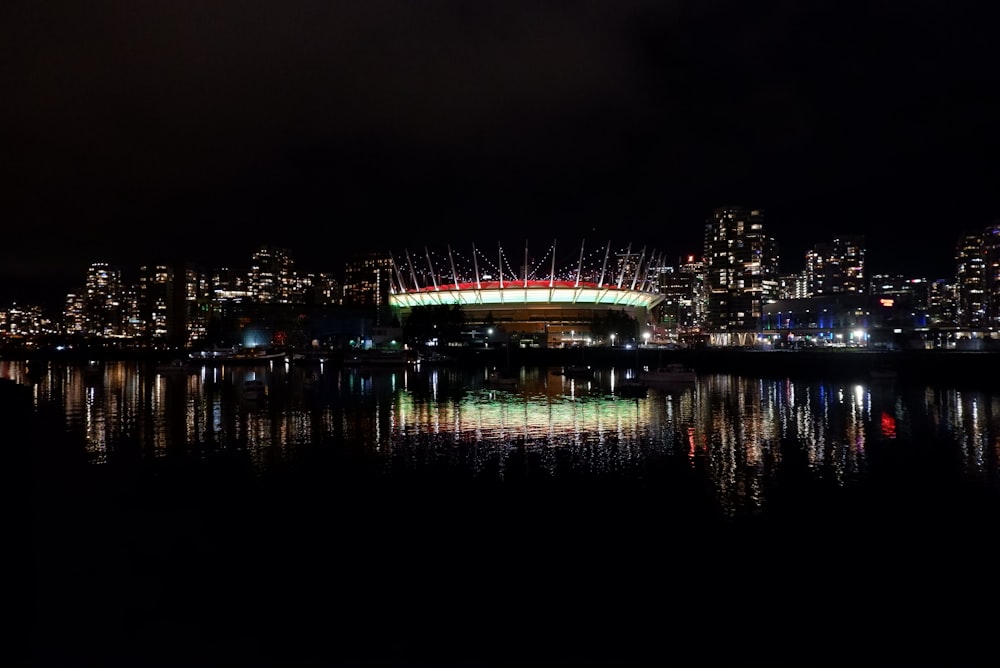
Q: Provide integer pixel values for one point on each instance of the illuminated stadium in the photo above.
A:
(550, 300)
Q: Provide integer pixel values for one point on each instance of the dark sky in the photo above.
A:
(143, 129)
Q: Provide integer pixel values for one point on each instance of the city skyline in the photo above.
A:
(327, 130)
(55, 297)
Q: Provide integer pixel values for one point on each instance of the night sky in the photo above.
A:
(140, 130)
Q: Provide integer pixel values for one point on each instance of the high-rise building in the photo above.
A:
(102, 304)
(676, 311)
(627, 267)
(694, 266)
(970, 277)
(271, 277)
(154, 299)
(367, 280)
(837, 267)
(174, 302)
(74, 314)
(942, 303)
(229, 285)
(991, 273)
(194, 300)
(793, 286)
(325, 290)
(680, 313)
(23, 321)
(134, 326)
(741, 274)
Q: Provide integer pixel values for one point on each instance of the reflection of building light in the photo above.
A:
(888, 425)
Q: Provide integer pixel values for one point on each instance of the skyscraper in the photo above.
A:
(102, 302)
(970, 277)
(991, 272)
(837, 267)
(741, 274)
(367, 280)
(271, 276)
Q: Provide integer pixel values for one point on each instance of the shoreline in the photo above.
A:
(952, 366)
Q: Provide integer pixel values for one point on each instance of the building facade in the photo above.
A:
(547, 300)
(836, 267)
(741, 275)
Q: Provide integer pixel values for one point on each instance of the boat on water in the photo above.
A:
(435, 357)
(578, 371)
(177, 366)
(376, 358)
(669, 374)
(307, 357)
(235, 356)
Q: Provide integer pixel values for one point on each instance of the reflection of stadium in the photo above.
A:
(549, 300)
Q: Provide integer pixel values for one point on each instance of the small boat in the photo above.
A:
(376, 358)
(578, 371)
(176, 366)
(435, 357)
(218, 356)
(673, 373)
(306, 357)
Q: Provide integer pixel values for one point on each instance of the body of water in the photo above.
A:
(284, 513)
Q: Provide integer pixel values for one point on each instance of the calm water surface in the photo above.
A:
(418, 512)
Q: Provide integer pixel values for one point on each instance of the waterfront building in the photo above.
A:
(270, 277)
(942, 303)
(154, 298)
(793, 286)
(991, 274)
(102, 304)
(368, 282)
(174, 303)
(836, 266)
(134, 327)
(551, 300)
(678, 314)
(842, 320)
(23, 321)
(970, 276)
(741, 275)
(228, 285)
(74, 320)
(324, 289)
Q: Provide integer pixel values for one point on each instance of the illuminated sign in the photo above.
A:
(885, 301)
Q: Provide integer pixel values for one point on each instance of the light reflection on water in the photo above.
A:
(743, 435)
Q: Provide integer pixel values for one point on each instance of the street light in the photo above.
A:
(645, 337)
(612, 340)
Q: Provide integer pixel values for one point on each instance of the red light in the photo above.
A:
(888, 425)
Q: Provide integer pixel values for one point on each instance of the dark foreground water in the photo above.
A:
(419, 516)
